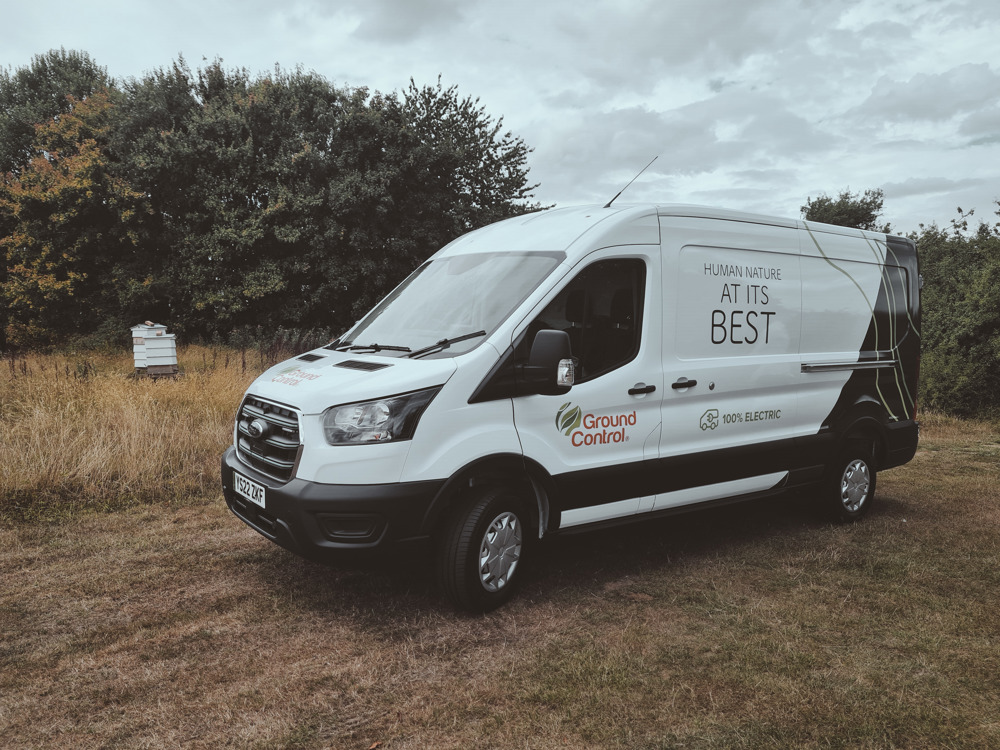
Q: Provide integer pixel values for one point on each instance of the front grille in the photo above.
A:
(275, 451)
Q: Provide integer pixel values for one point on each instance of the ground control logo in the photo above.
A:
(293, 376)
(588, 429)
(568, 418)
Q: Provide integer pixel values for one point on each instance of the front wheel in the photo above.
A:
(482, 549)
(851, 487)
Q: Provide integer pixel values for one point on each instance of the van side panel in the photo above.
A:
(789, 335)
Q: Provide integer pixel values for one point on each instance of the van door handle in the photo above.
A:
(640, 388)
(684, 383)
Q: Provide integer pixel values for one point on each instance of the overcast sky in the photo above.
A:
(749, 105)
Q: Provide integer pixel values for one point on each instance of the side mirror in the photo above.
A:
(550, 370)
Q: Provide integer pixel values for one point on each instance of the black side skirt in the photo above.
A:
(804, 459)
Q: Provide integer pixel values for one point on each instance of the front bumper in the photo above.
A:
(330, 521)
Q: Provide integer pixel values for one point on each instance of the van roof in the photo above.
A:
(581, 228)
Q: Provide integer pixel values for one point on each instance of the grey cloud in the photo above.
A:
(716, 85)
(986, 140)
(932, 97)
(764, 176)
(982, 127)
(904, 146)
(404, 20)
(927, 186)
(638, 46)
(568, 99)
(761, 199)
(605, 141)
(759, 124)
(787, 134)
(739, 133)
(961, 14)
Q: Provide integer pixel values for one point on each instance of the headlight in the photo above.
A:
(381, 420)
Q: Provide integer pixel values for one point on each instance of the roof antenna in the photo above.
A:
(631, 181)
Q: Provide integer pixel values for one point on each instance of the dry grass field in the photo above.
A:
(136, 612)
(83, 432)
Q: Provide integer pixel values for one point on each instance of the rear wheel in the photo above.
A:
(482, 547)
(851, 487)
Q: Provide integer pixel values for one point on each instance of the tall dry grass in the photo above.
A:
(84, 431)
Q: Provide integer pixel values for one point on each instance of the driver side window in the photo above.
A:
(601, 310)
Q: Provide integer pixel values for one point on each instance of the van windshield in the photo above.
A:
(449, 301)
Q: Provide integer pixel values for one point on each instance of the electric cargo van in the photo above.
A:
(579, 367)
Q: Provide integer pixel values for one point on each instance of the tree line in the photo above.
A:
(217, 201)
(226, 204)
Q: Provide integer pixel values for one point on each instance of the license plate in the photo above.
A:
(249, 489)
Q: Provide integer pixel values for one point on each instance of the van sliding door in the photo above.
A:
(731, 330)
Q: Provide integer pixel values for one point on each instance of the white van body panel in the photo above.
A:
(454, 433)
(596, 513)
(612, 426)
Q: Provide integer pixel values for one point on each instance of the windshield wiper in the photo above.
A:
(374, 348)
(444, 344)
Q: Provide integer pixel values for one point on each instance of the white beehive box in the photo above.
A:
(154, 350)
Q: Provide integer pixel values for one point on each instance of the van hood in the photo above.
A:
(314, 381)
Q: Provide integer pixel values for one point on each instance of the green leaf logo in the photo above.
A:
(568, 418)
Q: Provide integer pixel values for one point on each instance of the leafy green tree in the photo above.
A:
(960, 367)
(75, 228)
(858, 210)
(416, 171)
(288, 202)
(481, 170)
(38, 93)
(237, 173)
(219, 202)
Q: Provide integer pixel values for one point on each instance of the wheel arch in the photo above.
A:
(866, 421)
(505, 468)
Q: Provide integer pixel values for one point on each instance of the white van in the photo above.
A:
(578, 367)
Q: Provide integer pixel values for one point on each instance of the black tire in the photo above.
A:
(481, 551)
(850, 488)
